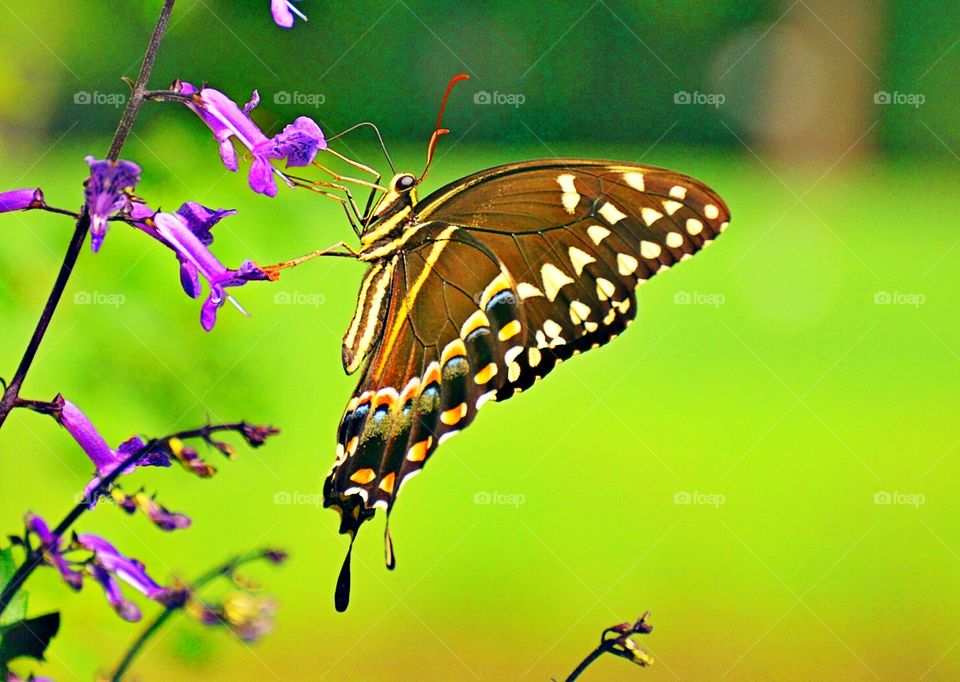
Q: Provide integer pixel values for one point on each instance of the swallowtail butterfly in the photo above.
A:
(481, 289)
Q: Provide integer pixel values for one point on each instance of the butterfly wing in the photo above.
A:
(513, 270)
(451, 311)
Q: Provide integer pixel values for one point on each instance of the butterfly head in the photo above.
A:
(395, 205)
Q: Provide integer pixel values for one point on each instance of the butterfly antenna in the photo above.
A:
(376, 130)
(439, 131)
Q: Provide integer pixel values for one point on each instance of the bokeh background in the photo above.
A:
(768, 461)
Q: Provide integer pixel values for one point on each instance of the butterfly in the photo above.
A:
(481, 289)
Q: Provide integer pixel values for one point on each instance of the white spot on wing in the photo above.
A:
(527, 290)
(605, 288)
(597, 233)
(626, 264)
(579, 259)
(611, 213)
(672, 207)
(554, 279)
(649, 215)
(694, 226)
(635, 180)
(579, 312)
(570, 196)
(678, 192)
(649, 250)
(674, 240)
(711, 211)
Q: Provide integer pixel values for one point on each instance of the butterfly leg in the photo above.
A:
(377, 175)
(273, 271)
(374, 188)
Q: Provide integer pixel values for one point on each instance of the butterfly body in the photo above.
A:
(479, 290)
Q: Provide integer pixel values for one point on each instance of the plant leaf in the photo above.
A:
(29, 637)
(17, 609)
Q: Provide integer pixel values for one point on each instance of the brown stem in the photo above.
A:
(11, 393)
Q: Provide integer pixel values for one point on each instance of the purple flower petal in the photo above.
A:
(191, 250)
(87, 437)
(128, 570)
(253, 103)
(281, 13)
(106, 193)
(104, 458)
(261, 177)
(21, 199)
(201, 219)
(298, 143)
(190, 279)
(50, 546)
(111, 588)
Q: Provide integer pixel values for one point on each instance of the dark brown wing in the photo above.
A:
(515, 269)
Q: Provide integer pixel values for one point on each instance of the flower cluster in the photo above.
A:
(619, 640)
(242, 611)
(90, 556)
(109, 195)
(106, 192)
(298, 143)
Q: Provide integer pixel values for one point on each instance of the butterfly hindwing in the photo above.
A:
(437, 362)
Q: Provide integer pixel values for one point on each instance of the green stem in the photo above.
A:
(224, 569)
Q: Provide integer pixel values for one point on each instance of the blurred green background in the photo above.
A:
(767, 461)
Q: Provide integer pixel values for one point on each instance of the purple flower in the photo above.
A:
(108, 566)
(298, 143)
(247, 616)
(125, 608)
(200, 220)
(104, 458)
(283, 12)
(107, 191)
(50, 547)
(197, 261)
(20, 199)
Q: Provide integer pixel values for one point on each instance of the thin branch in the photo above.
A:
(12, 390)
(225, 569)
(618, 640)
(35, 559)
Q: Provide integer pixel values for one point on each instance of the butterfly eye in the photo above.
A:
(405, 182)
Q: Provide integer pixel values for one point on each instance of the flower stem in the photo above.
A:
(224, 569)
(12, 391)
(585, 663)
(35, 558)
